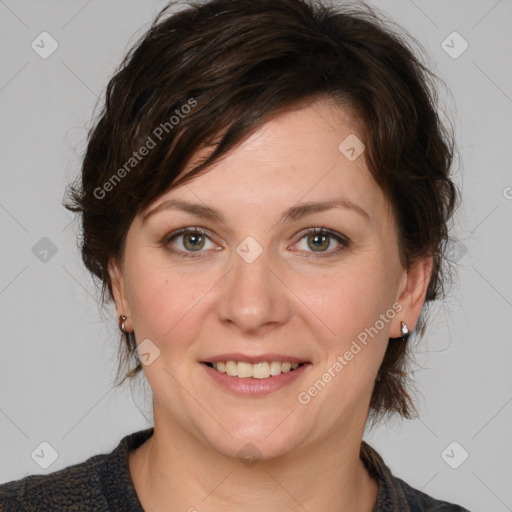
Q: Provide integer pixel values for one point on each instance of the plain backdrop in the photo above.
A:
(58, 352)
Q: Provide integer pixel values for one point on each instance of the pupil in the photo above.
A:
(194, 240)
(316, 238)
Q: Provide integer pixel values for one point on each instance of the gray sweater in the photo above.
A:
(102, 483)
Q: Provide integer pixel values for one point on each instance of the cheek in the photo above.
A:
(163, 300)
(356, 307)
(354, 298)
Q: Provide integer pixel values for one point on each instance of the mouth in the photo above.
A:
(259, 370)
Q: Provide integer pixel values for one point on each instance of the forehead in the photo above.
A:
(299, 155)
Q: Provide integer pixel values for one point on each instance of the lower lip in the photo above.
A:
(255, 387)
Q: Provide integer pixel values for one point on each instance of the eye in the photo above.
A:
(188, 240)
(319, 240)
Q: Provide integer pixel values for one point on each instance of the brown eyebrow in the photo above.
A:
(293, 213)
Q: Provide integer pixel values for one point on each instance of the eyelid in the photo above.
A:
(189, 229)
(322, 230)
(166, 241)
(342, 240)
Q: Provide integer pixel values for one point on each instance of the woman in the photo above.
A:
(265, 199)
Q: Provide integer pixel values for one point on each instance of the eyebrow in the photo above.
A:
(294, 213)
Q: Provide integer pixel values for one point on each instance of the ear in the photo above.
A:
(413, 292)
(118, 290)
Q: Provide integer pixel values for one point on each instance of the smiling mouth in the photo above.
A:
(262, 370)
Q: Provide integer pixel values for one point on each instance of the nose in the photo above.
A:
(254, 297)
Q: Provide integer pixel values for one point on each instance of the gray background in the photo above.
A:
(58, 358)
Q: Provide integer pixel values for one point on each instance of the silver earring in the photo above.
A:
(122, 319)
(405, 333)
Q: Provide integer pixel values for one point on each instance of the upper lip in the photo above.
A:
(253, 359)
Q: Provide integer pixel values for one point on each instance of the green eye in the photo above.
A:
(192, 240)
(318, 240)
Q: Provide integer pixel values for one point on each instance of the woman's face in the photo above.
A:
(258, 285)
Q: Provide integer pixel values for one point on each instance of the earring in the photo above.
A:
(130, 336)
(122, 319)
(405, 333)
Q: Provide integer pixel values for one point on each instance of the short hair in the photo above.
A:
(210, 74)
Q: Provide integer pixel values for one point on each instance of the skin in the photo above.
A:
(284, 302)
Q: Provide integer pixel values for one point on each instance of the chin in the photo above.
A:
(263, 440)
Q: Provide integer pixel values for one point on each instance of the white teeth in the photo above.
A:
(244, 370)
(275, 368)
(262, 370)
(231, 368)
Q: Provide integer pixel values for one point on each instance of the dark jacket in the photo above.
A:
(102, 483)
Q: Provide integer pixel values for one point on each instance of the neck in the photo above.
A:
(174, 470)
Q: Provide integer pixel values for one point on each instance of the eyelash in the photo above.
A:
(342, 240)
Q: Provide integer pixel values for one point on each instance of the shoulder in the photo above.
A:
(419, 501)
(100, 483)
(69, 487)
(396, 494)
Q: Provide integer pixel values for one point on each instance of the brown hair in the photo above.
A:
(212, 73)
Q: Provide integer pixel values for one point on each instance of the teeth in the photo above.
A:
(275, 368)
(262, 370)
(244, 370)
(230, 368)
